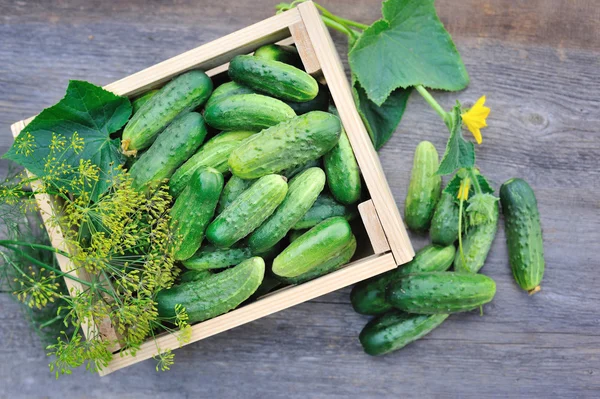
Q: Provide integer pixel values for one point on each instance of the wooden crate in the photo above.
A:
(389, 244)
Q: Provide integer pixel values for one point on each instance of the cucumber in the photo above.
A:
(476, 244)
(194, 275)
(301, 195)
(138, 102)
(294, 170)
(368, 297)
(342, 257)
(325, 207)
(440, 292)
(274, 78)
(295, 234)
(184, 93)
(269, 284)
(172, 147)
(444, 224)
(290, 143)
(319, 103)
(194, 209)
(211, 257)
(214, 154)
(394, 330)
(424, 188)
(227, 90)
(286, 54)
(214, 295)
(247, 112)
(234, 187)
(343, 174)
(315, 247)
(523, 234)
(247, 211)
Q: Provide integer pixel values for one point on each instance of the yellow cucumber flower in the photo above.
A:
(463, 190)
(475, 118)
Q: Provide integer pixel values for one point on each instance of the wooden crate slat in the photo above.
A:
(368, 214)
(305, 49)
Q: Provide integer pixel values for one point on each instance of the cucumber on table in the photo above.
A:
(424, 188)
(325, 207)
(343, 174)
(294, 142)
(523, 234)
(194, 209)
(477, 242)
(274, 78)
(213, 295)
(184, 93)
(171, 149)
(444, 224)
(395, 329)
(368, 297)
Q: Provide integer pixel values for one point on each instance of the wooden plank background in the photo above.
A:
(538, 62)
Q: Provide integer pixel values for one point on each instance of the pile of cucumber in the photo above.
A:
(266, 200)
(414, 299)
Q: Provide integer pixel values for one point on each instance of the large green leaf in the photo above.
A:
(408, 47)
(459, 153)
(93, 114)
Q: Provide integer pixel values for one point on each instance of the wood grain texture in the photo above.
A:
(370, 219)
(538, 62)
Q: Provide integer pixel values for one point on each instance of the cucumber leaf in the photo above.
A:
(459, 153)
(454, 184)
(87, 114)
(407, 47)
(481, 209)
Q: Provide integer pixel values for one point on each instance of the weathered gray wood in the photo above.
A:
(538, 62)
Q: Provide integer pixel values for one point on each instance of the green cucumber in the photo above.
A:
(286, 54)
(368, 297)
(194, 275)
(213, 154)
(184, 93)
(318, 245)
(214, 295)
(440, 292)
(234, 187)
(194, 209)
(332, 264)
(476, 243)
(319, 103)
(295, 234)
(274, 78)
(301, 195)
(140, 101)
(211, 257)
(444, 224)
(247, 112)
(424, 188)
(523, 234)
(294, 170)
(227, 90)
(290, 143)
(171, 149)
(394, 330)
(247, 211)
(325, 207)
(343, 174)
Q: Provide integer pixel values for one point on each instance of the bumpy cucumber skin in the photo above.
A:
(440, 292)
(476, 243)
(394, 330)
(303, 191)
(424, 188)
(211, 257)
(444, 224)
(182, 94)
(213, 154)
(368, 297)
(215, 295)
(294, 170)
(523, 234)
(234, 187)
(194, 209)
(319, 103)
(343, 174)
(342, 257)
(247, 211)
(290, 143)
(140, 101)
(325, 207)
(313, 248)
(247, 112)
(286, 54)
(172, 147)
(274, 78)
(194, 275)
(227, 90)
